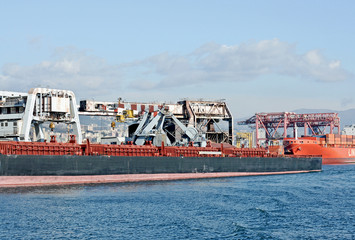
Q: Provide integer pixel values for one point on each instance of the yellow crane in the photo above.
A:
(244, 137)
(126, 114)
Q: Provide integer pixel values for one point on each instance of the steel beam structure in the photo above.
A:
(316, 123)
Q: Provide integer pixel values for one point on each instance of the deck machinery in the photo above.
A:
(23, 113)
(163, 127)
(210, 117)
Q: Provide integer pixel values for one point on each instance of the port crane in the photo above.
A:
(316, 123)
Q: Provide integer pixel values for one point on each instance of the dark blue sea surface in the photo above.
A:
(298, 206)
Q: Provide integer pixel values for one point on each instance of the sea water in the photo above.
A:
(294, 206)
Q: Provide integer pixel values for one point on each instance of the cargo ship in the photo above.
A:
(70, 163)
(160, 147)
(334, 148)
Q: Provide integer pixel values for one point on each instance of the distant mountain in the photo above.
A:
(347, 117)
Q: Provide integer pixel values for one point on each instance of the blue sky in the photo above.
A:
(260, 56)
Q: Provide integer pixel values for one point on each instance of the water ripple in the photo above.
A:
(301, 206)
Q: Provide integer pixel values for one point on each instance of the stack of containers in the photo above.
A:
(343, 139)
(349, 139)
(330, 139)
(337, 139)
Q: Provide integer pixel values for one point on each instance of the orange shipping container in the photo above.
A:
(329, 136)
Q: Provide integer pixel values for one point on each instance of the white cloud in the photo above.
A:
(334, 64)
(244, 62)
(68, 69)
(91, 76)
(313, 58)
(3, 78)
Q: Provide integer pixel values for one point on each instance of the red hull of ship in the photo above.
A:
(331, 154)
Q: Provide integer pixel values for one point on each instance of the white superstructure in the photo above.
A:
(348, 130)
(20, 111)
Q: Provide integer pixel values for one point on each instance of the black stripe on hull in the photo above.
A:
(30, 165)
